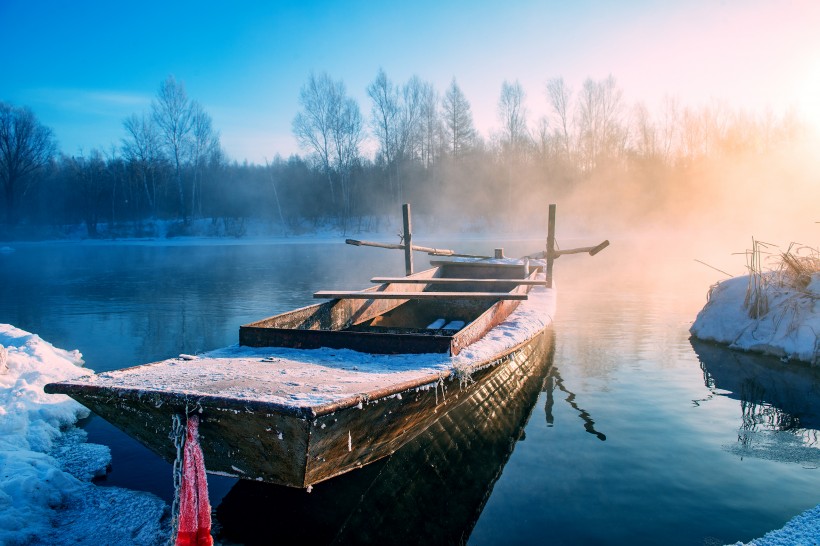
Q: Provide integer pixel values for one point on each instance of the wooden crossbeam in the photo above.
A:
(411, 280)
(353, 294)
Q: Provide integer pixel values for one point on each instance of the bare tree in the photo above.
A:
(514, 132)
(347, 136)
(330, 125)
(141, 149)
(669, 128)
(513, 116)
(26, 146)
(174, 117)
(458, 120)
(429, 124)
(414, 94)
(385, 121)
(599, 118)
(204, 149)
(313, 126)
(645, 137)
(91, 184)
(560, 96)
(396, 120)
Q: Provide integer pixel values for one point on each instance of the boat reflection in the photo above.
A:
(432, 490)
(555, 381)
(780, 402)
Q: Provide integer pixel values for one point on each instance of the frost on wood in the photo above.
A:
(302, 378)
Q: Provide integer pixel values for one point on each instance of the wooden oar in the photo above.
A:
(417, 248)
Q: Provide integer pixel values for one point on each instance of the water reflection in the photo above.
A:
(553, 381)
(430, 491)
(779, 402)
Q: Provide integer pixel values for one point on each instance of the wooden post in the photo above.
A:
(408, 240)
(550, 255)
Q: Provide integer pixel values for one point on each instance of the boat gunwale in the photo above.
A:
(304, 412)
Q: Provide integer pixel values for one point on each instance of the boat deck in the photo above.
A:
(315, 381)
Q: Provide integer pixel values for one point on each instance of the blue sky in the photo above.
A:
(85, 66)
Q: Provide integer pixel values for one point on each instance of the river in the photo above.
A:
(632, 434)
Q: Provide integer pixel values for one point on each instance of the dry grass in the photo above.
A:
(797, 265)
(791, 269)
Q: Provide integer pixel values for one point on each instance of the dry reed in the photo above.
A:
(791, 269)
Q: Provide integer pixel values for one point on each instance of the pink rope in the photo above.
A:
(194, 508)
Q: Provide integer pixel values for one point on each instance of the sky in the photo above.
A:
(84, 66)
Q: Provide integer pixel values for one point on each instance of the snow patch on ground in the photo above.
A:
(46, 465)
(790, 329)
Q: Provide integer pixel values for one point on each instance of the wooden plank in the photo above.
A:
(483, 262)
(417, 248)
(591, 250)
(550, 253)
(366, 342)
(408, 239)
(531, 282)
(355, 294)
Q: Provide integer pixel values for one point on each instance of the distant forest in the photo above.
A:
(170, 165)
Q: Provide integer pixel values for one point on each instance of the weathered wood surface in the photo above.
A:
(408, 239)
(332, 315)
(362, 341)
(360, 295)
(404, 280)
(391, 246)
(492, 317)
(287, 445)
(591, 250)
(462, 453)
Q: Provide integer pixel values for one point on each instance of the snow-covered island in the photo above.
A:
(768, 314)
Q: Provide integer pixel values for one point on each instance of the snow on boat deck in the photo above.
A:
(303, 378)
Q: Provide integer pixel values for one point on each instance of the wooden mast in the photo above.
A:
(408, 240)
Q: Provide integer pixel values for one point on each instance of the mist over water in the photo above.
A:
(631, 420)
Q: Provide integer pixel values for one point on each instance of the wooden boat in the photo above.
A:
(316, 392)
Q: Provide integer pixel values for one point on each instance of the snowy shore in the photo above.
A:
(790, 329)
(46, 465)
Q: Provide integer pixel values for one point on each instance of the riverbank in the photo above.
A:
(774, 314)
(765, 313)
(46, 493)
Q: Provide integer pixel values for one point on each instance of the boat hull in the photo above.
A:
(299, 447)
(450, 468)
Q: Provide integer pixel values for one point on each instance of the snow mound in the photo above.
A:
(46, 465)
(790, 329)
(801, 530)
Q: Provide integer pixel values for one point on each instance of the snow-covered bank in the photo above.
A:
(46, 465)
(790, 329)
(801, 530)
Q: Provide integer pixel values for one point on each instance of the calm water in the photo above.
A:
(631, 435)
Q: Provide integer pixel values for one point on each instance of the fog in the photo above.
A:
(698, 181)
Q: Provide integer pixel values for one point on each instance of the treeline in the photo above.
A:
(170, 165)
